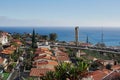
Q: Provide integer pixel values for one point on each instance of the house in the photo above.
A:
(105, 62)
(116, 67)
(62, 56)
(44, 61)
(37, 72)
(3, 62)
(45, 64)
(17, 41)
(114, 75)
(105, 74)
(44, 56)
(86, 44)
(97, 75)
(80, 53)
(7, 52)
(3, 38)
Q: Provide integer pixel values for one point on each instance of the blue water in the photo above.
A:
(111, 36)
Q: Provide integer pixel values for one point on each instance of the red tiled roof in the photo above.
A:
(98, 75)
(63, 58)
(40, 51)
(38, 72)
(112, 76)
(17, 41)
(62, 54)
(1, 60)
(85, 44)
(116, 67)
(54, 63)
(39, 57)
(45, 56)
(39, 63)
(8, 50)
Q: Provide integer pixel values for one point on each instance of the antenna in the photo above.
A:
(102, 36)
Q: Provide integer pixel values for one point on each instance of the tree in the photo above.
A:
(50, 75)
(53, 36)
(44, 37)
(108, 66)
(82, 69)
(61, 71)
(68, 71)
(33, 39)
(100, 45)
(16, 35)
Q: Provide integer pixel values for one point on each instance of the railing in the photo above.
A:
(100, 49)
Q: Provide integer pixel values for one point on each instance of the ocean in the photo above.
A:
(111, 36)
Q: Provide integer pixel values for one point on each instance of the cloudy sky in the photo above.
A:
(60, 13)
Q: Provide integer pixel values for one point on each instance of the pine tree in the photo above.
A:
(33, 39)
(87, 39)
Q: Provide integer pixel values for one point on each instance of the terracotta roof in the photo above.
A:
(1, 60)
(98, 75)
(62, 58)
(54, 63)
(39, 57)
(106, 71)
(39, 52)
(116, 67)
(45, 56)
(38, 72)
(48, 52)
(39, 63)
(53, 58)
(62, 54)
(17, 41)
(8, 50)
(42, 49)
(85, 44)
(62, 49)
(112, 75)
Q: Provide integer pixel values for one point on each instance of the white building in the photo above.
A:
(3, 38)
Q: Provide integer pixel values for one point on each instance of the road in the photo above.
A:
(15, 74)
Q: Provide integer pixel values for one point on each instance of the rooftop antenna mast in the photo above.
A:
(102, 35)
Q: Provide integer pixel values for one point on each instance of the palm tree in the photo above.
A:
(82, 69)
(78, 71)
(50, 75)
(62, 70)
(67, 71)
(73, 73)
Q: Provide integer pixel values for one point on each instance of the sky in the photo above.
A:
(60, 13)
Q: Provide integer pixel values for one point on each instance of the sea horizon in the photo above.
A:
(110, 34)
